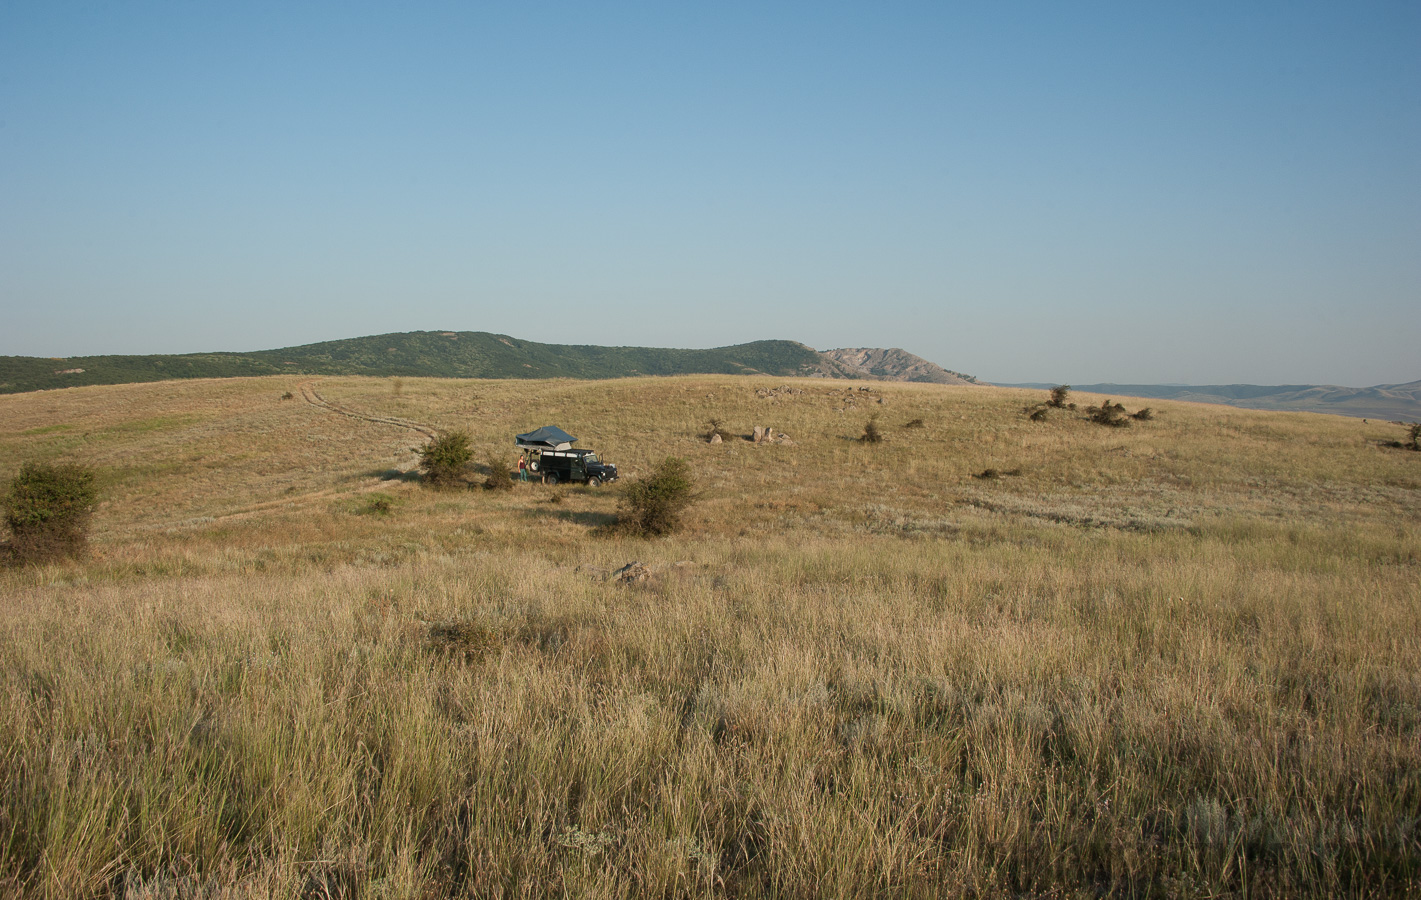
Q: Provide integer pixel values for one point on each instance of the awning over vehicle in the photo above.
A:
(549, 437)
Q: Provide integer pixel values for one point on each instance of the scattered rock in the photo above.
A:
(765, 434)
(715, 439)
(631, 573)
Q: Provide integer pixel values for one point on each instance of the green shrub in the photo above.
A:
(653, 505)
(444, 459)
(48, 509)
(1059, 393)
(1143, 415)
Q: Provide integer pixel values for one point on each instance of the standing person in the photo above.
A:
(523, 467)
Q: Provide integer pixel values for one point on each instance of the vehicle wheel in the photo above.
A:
(550, 478)
(594, 481)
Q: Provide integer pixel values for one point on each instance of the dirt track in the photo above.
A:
(313, 397)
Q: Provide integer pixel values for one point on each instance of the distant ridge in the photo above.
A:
(1392, 402)
(463, 354)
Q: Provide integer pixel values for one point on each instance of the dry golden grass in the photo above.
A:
(1178, 659)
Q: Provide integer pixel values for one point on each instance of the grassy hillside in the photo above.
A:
(465, 354)
(1178, 659)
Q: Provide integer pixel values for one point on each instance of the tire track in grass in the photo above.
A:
(313, 397)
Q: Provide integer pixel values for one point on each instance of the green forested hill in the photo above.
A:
(464, 354)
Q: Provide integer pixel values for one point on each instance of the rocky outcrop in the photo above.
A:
(631, 573)
(887, 365)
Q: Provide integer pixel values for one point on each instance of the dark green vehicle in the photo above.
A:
(573, 466)
(552, 457)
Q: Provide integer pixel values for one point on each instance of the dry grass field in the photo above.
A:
(1179, 659)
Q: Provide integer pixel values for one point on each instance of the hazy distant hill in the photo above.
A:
(464, 354)
(1384, 401)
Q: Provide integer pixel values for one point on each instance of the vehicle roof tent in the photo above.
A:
(549, 437)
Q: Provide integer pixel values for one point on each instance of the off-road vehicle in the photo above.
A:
(557, 466)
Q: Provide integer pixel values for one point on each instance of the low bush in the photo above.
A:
(377, 505)
(992, 474)
(1059, 393)
(1143, 415)
(499, 476)
(1036, 413)
(48, 509)
(716, 428)
(444, 459)
(871, 434)
(653, 505)
(1109, 413)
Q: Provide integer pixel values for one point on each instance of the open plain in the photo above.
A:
(1176, 659)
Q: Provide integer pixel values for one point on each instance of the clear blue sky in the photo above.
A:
(1136, 192)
